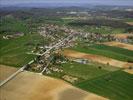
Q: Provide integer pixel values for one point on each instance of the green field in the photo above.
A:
(123, 51)
(115, 86)
(101, 30)
(101, 25)
(107, 51)
(10, 25)
(13, 51)
(83, 71)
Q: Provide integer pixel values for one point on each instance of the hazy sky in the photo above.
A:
(108, 2)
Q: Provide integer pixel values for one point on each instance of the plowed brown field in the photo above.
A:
(119, 44)
(122, 36)
(31, 86)
(130, 71)
(130, 23)
(97, 58)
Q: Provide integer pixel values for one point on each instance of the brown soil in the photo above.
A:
(31, 86)
(96, 58)
(6, 71)
(122, 36)
(130, 71)
(119, 44)
(75, 93)
(130, 23)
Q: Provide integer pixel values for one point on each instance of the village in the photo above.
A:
(74, 52)
(50, 57)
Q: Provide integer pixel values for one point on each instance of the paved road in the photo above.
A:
(14, 74)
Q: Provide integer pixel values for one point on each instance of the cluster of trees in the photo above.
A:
(57, 58)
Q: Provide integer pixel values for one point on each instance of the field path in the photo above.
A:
(32, 86)
(119, 44)
(96, 58)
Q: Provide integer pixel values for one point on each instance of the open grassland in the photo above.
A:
(115, 86)
(83, 71)
(107, 51)
(42, 88)
(14, 51)
(120, 45)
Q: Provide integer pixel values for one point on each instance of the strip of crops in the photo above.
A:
(106, 53)
(113, 49)
(115, 86)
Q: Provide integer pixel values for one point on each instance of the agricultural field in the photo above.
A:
(115, 86)
(101, 29)
(120, 45)
(83, 71)
(130, 23)
(14, 51)
(122, 36)
(96, 58)
(10, 25)
(102, 26)
(113, 49)
(107, 51)
(114, 83)
(6, 71)
(88, 53)
(43, 88)
(129, 71)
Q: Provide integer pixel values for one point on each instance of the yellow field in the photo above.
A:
(31, 86)
(6, 71)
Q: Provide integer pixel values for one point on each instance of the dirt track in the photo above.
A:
(97, 58)
(31, 86)
(6, 71)
(119, 44)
